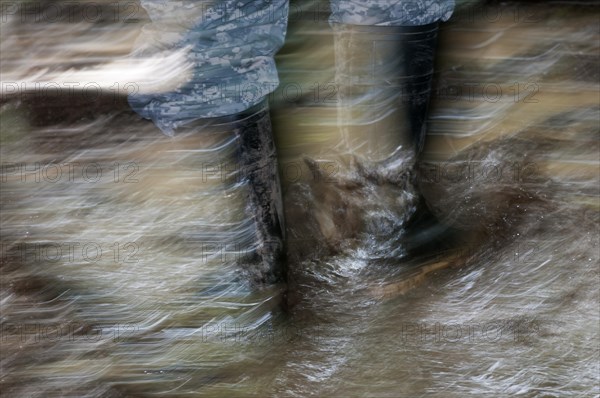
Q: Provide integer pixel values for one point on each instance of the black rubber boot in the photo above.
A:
(384, 75)
(245, 143)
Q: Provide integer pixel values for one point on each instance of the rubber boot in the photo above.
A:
(383, 74)
(247, 161)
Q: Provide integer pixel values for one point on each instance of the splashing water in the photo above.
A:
(120, 246)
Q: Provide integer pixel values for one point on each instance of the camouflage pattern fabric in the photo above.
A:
(232, 44)
(390, 12)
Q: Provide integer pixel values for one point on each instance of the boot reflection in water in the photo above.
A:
(384, 60)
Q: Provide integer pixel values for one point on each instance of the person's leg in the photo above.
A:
(384, 53)
(230, 45)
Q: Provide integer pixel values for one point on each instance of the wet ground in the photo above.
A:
(119, 264)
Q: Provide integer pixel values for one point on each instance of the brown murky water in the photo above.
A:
(119, 244)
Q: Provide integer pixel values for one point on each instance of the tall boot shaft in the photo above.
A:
(383, 74)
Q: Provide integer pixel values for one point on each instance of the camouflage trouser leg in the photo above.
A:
(231, 45)
(390, 12)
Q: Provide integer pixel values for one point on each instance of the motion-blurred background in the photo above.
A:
(118, 272)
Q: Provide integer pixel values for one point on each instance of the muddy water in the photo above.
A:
(119, 268)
